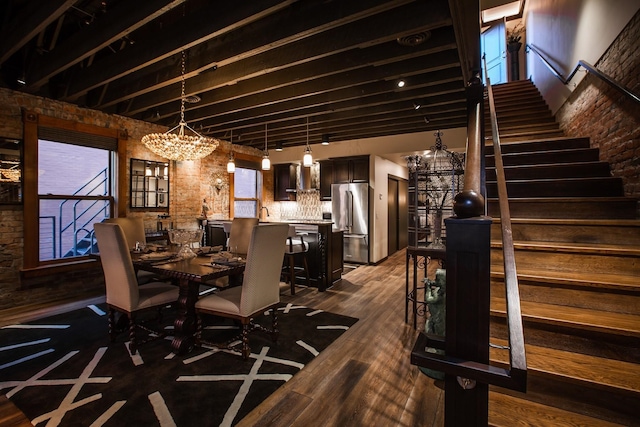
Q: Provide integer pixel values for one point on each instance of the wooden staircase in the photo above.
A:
(577, 246)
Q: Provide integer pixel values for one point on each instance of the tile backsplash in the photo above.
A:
(307, 206)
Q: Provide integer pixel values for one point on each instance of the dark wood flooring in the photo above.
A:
(364, 379)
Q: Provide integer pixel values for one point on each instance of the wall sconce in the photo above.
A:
(218, 182)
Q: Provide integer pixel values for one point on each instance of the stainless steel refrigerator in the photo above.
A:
(350, 214)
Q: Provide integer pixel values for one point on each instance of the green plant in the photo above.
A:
(514, 35)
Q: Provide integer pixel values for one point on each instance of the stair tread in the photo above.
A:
(591, 248)
(598, 280)
(598, 371)
(575, 221)
(504, 409)
(586, 319)
(567, 199)
(568, 179)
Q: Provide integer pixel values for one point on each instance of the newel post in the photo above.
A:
(468, 274)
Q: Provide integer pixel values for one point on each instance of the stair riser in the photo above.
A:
(626, 349)
(547, 145)
(567, 233)
(523, 127)
(567, 156)
(599, 187)
(600, 404)
(628, 303)
(563, 209)
(570, 261)
(508, 138)
(577, 170)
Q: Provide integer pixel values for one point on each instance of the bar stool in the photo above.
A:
(296, 247)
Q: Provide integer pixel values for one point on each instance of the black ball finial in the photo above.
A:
(468, 204)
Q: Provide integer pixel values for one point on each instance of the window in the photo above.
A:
(70, 182)
(246, 192)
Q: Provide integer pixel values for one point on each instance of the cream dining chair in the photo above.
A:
(238, 241)
(123, 292)
(133, 229)
(260, 288)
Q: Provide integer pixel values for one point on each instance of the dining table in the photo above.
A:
(189, 274)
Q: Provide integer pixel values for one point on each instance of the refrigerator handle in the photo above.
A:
(350, 209)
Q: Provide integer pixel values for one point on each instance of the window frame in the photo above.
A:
(248, 162)
(31, 122)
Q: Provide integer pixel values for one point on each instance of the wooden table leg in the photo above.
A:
(185, 323)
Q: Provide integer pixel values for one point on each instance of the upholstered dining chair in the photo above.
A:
(133, 229)
(260, 288)
(240, 234)
(123, 292)
(238, 241)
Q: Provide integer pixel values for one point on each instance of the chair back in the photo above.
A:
(240, 234)
(261, 283)
(133, 229)
(119, 274)
(295, 242)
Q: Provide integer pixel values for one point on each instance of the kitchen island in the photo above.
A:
(325, 249)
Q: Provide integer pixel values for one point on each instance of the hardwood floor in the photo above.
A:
(363, 379)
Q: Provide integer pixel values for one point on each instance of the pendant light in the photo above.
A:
(266, 163)
(176, 144)
(307, 159)
(231, 164)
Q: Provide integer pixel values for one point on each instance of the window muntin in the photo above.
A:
(75, 184)
(246, 192)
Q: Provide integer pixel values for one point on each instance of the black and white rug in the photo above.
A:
(63, 371)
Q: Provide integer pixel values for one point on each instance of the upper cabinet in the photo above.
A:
(342, 170)
(284, 182)
(149, 184)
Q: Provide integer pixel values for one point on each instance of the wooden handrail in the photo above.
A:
(518, 360)
(593, 70)
(466, 206)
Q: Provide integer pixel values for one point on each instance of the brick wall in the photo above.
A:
(190, 183)
(608, 117)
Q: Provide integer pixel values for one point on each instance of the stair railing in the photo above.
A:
(590, 68)
(82, 218)
(465, 358)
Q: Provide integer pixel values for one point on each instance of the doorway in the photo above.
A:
(494, 46)
(397, 214)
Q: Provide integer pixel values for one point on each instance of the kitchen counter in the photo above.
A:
(325, 247)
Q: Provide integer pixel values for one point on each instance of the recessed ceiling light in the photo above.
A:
(401, 83)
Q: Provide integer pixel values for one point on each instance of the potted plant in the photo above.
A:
(514, 37)
(513, 47)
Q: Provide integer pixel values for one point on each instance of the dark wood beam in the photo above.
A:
(171, 41)
(349, 69)
(32, 21)
(116, 24)
(381, 27)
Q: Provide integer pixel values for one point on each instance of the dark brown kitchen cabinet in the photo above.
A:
(359, 169)
(342, 170)
(284, 182)
(326, 179)
(351, 169)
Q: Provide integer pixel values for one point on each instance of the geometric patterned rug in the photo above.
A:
(64, 371)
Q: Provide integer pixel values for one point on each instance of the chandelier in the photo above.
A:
(175, 144)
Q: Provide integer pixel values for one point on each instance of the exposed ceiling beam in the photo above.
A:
(112, 27)
(33, 20)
